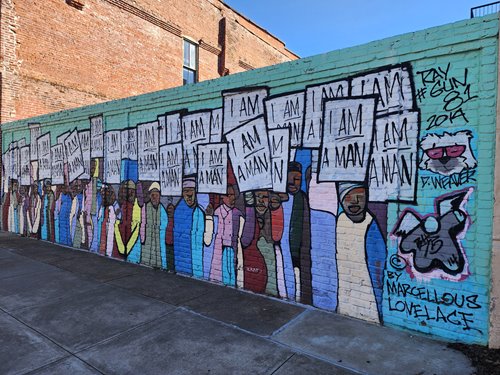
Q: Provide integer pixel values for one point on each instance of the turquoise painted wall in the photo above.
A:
(413, 253)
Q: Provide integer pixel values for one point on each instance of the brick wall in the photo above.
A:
(363, 186)
(57, 56)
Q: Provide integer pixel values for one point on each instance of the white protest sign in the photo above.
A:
(348, 127)
(162, 130)
(73, 152)
(195, 131)
(279, 143)
(84, 136)
(173, 125)
(287, 111)
(171, 168)
(393, 166)
(129, 144)
(241, 105)
(216, 125)
(25, 178)
(212, 168)
(112, 156)
(60, 140)
(315, 95)
(35, 132)
(96, 136)
(250, 155)
(57, 158)
(147, 151)
(393, 87)
(44, 163)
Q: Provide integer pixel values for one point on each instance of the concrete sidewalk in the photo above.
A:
(67, 311)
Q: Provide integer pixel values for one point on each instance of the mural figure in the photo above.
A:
(259, 257)
(434, 240)
(76, 217)
(127, 228)
(93, 201)
(47, 219)
(189, 231)
(169, 240)
(109, 213)
(359, 237)
(34, 212)
(230, 222)
(62, 212)
(277, 220)
(323, 259)
(23, 210)
(11, 208)
(297, 244)
(154, 230)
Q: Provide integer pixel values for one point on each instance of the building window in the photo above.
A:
(190, 67)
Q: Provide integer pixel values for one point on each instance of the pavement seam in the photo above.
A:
(52, 300)
(291, 322)
(145, 295)
(61, 360)
(268, 338)
(133, 328)
(280, 366)
(318, 357)
(52, 341)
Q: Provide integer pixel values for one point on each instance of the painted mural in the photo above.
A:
(310, 195)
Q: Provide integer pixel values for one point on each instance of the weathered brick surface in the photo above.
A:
(57, 57)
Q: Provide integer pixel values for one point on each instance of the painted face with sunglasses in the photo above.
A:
(448, 153)
(445, 154)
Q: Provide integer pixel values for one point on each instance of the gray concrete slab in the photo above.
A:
(99, 268)
(185, 343)
(301, 364)
(4, 253)
(66, 366)
(251, 312)
(22, 349)
(43, 251)
(371, 348)
(26, 290)
(50, 255)
(163, 286)
(15, 265)
(87, 318)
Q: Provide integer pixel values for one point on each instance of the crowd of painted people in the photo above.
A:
(293, 245)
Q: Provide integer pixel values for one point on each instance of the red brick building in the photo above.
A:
(59, 54)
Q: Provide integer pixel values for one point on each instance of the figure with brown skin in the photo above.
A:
(23, 210)
(47, 219)
(227, 260)
(296, 244)
(359, 240)
(78, 234)
(63, 212)
(189, 231)
(11, 207)
(34, 212)
(93, 201)
(153, 230)
(258, 239)
(128, 227)
(108, 214)
(169, 239)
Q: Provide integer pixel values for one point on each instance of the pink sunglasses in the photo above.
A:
(451, 151)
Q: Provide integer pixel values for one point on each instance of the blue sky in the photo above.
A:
(310, 27)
